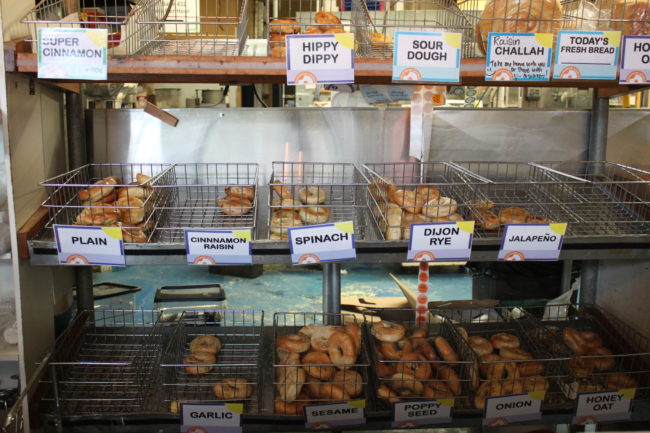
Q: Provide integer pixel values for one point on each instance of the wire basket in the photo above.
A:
(194, 198)
(75, 198)
(194, 27)
(627, 367)
(306, 17)
(116, 16)
(403, 193)
(104, 363)
(419, 372)
(630, 17)
(301, 380)
(601, 197)
(237, 361)
(306, 193)
(544, 369)
(376, 28)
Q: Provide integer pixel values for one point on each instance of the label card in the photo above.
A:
(211, 418)
(519, 57)
(427, 57)
(635, 60)
(89, 245)
(532, 242)
(320, 59)
(414, 414)
(218, 247)
(595, 407)
(449, 241)
(322, 243)
(582, 55)
(326, 416)
(72, 54)
(513, 408)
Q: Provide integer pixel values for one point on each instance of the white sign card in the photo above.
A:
(427, 57)
(218, 247)
(585, 55)
(525, 242)
(417, 413)
(507, 409)
(72, 54)
(448, 241)
(519, 57)
(327, 416)
(322, 243)
(211, 418)
(89, 245)
(595, 407)
(635, 60)
(320, 59)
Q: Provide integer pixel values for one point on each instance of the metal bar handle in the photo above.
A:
(467, 171)
(561, 173)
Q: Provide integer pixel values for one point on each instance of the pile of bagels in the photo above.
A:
(238, 200)
(413, 365)
(289, 211)
(317, 364)
(126, 206)
(488, 219)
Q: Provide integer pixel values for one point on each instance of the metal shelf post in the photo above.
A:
(331, 288)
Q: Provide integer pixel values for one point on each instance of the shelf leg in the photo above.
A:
(598, 128)
(588, 281)
(331, 288)
(567, 267)
(76, 130)
(84, 280)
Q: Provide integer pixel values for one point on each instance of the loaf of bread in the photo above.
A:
(631, 17)
(518, 16)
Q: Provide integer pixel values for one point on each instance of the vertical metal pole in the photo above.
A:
(78, 156)
(331, 288)
(597, 152)
(567, 266)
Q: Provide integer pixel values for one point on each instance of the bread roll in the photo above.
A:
(518, 16)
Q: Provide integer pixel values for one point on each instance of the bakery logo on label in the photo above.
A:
(410, 74)
(328, 416)
(514, 256)
(636, 77)
(503, 75)
(424, 256)
(570, 73)
(322, 243)
(306, 77)
(224, 247)
(89, 245)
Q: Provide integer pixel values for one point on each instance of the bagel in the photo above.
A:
(416, 365)
(92, 216)
(354, 331)
(591, 340)
(602, 358)
(620, 381)
(425, 346)
(134, 236)
(205, 343)
(427, 193)
(385, 369)
(234, 206)
(350, 380)
(445, 350)
(308, 330)
(387, 394)
(328, 20)
(488, 220)
(341, 349)
(503, 339)
(320, 337)
(333, 392)
(481, 204)
(513, 215)
(480, 345)
(246, 192)
(286, 357)
(282, 220)
(232, 389)
(538, 220)
(317, 364)
(284, 26)
(198, 363)
(440, 207)
(290, 382)
(408, 201)
(490, 367)
(312, 195)
(573, 339)
(450, 377)
(314, 214)
(419, 333)
(436, 389)
(293, 407)
(387, 331)
(396, 350)
(282, 191)
(103, 188)
(580, 366)
(293, 343)
(515, 354)
(406, 385)
(530, 368)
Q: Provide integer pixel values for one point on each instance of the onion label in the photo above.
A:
(211, 418)
(320, 59)
(518, 57)
(596, 407)
(635, 60)
(89, 245)
(585, 55)
(218, 247)
(412, 414)
(448, 241)
(72, 54)
(507, 409)
(528, 242)
(326, 416)
(322, 243)
(427, 57)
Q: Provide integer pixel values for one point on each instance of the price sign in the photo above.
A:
(422, 413)
(218, 247)
(426, 57)
(519, 57)
(449, 241)
(586, 55)
(635, 60)
(89, 245)
(211, 418)
(326, 416)
(532, 242)
(322, 243)
(72, 54)
(513, 408)
(595, 407)
(320, 59)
